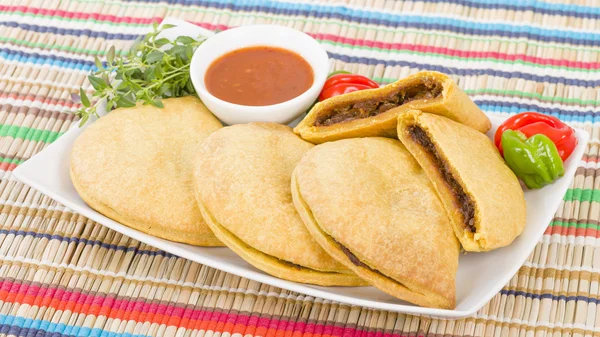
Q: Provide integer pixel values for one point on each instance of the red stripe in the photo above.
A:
(189, 318)
(575, 231)
(7, 167)
(459, 53)
(79, 15)
(586, 158)
(210, 26)
(47, 100)
(467, 54)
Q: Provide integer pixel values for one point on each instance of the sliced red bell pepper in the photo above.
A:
(349, 78)
(340, 83)
(533, 123)
(340, 89)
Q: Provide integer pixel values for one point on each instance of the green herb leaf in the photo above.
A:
(179, 60)
(106, 79)
(143, 74)
(122, 86)
(184, 40)
(189, 51)
(149, 73)
(158, 73)
(161, 42)
(97, 82)
(98, 63)
(110, 55)
(177, 50)
(85, 101)
(157, 103)
(189, 87)
(126, 101)
(84, 120)
(154, 56)
(166, 26)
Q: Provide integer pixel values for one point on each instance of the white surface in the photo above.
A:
(259, 35)
(480, 275)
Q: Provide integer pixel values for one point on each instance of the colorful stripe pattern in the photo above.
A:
(63, 275)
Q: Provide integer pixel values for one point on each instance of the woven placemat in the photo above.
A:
(64, 275)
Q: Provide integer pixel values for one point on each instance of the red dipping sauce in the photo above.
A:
(258, 76)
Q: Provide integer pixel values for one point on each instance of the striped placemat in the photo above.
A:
(63, 275)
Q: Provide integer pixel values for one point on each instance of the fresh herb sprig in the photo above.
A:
(153, 69)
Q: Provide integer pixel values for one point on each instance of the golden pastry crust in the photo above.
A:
(134, 165)
(475, 163)
(452, 102)
(242, 180)
(369, 197)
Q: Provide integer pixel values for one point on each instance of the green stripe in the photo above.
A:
(448, 57)
(482, 91)
(26, 133)
(328, 42)
(572, 224)
(285, 19)
(11, 160)
(582, 194)
(537, 96)
(520, 94)
(32, 44)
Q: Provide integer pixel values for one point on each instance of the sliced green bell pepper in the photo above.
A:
(535, 160)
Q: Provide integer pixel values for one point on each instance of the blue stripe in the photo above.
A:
(515, 107)
(467, 72)
(45, 59)
(365, 17)
(64, 62)
(85, 241)
(550, 296)
(492, 106)
(521, 5)
(529, 5)
(406, 21)
(27, 327)
(534, 5)
(69, 31)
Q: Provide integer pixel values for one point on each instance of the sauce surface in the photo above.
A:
(258, 76)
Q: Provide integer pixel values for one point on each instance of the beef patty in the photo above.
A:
(461, 199)
(373, 106)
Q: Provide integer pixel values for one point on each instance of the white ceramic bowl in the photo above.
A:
(259, 35)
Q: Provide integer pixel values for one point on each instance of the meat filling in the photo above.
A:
(463, 201)
(426, 89)
(355, 261)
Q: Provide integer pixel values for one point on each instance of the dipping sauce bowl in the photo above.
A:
(253, 36)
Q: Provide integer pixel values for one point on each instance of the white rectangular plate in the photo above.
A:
(480, 276)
